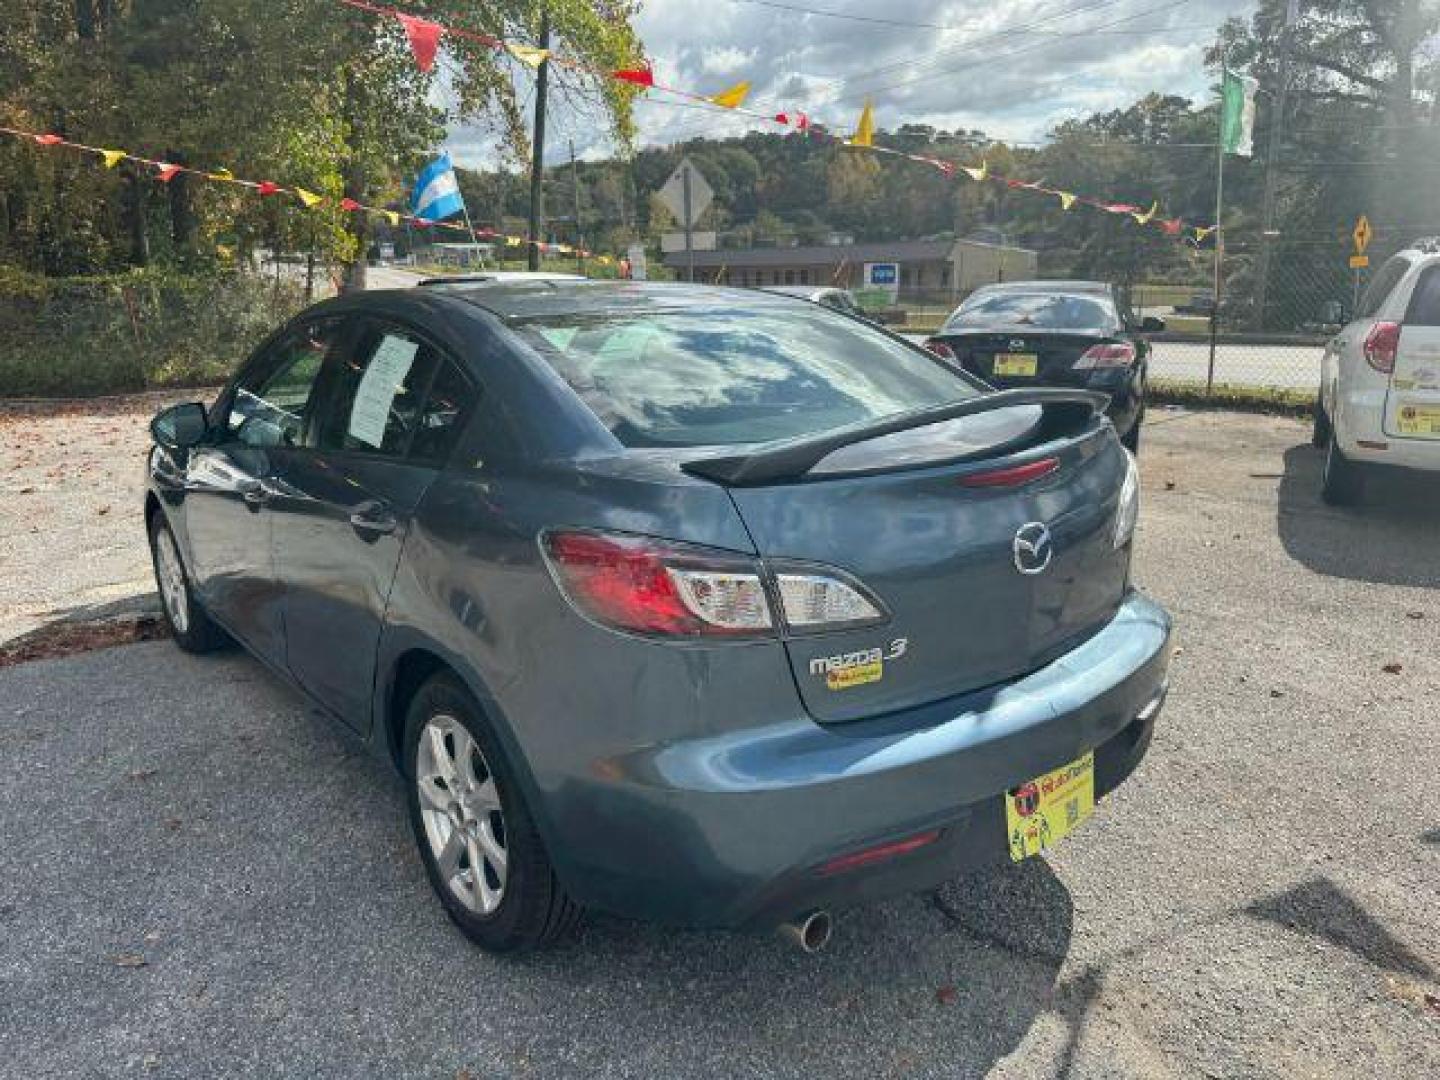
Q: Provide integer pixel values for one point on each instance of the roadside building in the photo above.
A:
(925, 271)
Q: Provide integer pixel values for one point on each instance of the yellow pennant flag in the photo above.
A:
(113, 157)
(982, 173)
(309, 198)
(1201, 232)
(732, 98)
(527, 54)
(513, 241)
(222, 174)
(865, 130)
(392, 217)
(1148, 215)
(1067, 200)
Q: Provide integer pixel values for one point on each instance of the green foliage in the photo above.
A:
(131, 331)
(302, 92)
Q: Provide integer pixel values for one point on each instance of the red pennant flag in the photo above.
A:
(167, 172)
(350, 205)
(265, 187)
(48, 140)
(946, 167)
(424, 38)
(1172, 227)
(1119, 208)
(639, 76)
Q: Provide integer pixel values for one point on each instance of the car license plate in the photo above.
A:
(1040, 814)
(1419, 421)
(1016, 365)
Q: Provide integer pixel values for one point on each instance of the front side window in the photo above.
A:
(723, 377)
(273, 404)
(376, 401)
(1042, 311)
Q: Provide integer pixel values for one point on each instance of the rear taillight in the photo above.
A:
(1109, 355)
(649, 586)
(665, 589)
(940, 349)
(1381, 345)
(1012, 476)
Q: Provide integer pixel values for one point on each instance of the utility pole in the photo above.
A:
(579, 235)
(1272, 153)
(1219, 232)
(537, 153)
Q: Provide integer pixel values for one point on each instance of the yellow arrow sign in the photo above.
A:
(1362, 235)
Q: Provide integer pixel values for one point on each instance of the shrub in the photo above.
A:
(139, 330)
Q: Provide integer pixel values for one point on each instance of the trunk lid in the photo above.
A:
(1412, 402)
(896, 514)
(1001, 357)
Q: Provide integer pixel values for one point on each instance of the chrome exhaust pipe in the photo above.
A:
(809, 932)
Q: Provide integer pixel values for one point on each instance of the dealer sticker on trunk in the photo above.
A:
(845, 671)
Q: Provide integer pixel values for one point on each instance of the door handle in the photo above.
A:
(371, 520)
(257, 494)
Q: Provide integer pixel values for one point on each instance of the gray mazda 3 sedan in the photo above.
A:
(692, 604)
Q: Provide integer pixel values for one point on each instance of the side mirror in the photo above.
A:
(180, 426)
(1151, 325)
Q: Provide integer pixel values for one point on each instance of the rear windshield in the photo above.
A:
(714, 378)
(1044, 311)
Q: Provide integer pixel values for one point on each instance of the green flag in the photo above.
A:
(1237, 114)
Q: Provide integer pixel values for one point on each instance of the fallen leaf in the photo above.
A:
(141, 774)
(130, 960)
(1169, 485)
(1432, 1002)
(1416, 615)
(103, 511)
(947, 994)
(1393, 669)
(173, 824)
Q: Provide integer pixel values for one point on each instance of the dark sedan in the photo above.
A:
(1056, 333)
(699, 605)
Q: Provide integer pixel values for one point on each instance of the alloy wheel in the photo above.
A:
(170, 575)
(460, 806)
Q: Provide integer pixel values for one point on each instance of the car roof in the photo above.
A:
(807, 291)
(496, 277)
(1095, 288)
(536, 298)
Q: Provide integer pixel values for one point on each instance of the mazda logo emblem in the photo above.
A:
(1034, 548)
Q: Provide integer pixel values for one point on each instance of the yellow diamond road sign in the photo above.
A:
(1362, 235)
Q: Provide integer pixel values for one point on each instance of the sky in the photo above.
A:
(1013, 70)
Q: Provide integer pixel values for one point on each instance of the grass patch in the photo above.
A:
(1271, 400)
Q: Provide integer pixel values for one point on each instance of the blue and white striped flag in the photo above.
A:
(437, 194)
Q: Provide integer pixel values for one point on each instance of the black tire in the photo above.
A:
(1131, 439)
(534, 909)
(1344, 481)
(190, 626)
(1320, 436)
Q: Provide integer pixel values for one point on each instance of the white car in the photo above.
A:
(1379, 401)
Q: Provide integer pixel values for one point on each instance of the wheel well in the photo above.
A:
(412, 671)
(152, 507)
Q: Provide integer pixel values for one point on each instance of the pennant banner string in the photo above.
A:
(166, 171)
(425, 35)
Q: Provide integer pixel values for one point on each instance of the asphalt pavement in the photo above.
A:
(199, 876)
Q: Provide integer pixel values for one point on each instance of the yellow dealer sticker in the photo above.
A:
(1419, 421)
(1040, 814)
(858, 675)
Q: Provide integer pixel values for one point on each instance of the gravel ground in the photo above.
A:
(71, 477)
(200, 877)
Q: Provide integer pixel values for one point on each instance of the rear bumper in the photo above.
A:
(1360, 433)
(728, 830)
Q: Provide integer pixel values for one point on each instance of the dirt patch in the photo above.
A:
(68, 638)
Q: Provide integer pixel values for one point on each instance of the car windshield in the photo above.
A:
(1044, 311)
(721, 377)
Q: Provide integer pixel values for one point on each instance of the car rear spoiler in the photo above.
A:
(788, 459)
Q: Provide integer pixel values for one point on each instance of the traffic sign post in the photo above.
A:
(1362, 235)
(687, 195)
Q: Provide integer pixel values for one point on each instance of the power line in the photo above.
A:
(846, 16)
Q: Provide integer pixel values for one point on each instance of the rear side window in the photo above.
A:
(700, 377)
(379, 400)
(1380, 289)
(1425, 301)
(1042, 311)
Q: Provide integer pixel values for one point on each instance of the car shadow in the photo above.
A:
(1389, 539)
